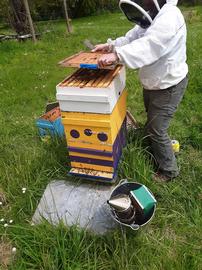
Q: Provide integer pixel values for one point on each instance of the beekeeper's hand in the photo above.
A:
(107, 59)
(101, 48)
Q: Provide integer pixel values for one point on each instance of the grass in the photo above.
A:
(28, 75)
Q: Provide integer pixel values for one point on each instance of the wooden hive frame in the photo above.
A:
(91, 78)
(89, 58)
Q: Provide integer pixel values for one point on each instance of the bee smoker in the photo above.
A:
(123, 208)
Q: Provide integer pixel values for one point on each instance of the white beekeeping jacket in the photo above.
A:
(159, 51)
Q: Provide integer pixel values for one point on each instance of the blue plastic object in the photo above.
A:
(50, 123)
(52, 129)
(90, 66)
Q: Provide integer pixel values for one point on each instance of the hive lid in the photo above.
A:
(84, 60)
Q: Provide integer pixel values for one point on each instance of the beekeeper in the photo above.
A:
(157, 47)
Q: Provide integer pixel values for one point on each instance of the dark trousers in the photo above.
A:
(160, 106)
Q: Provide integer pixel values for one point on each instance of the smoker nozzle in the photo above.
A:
(120, 203)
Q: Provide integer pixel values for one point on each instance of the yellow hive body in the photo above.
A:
(108, 124)
(99, 123)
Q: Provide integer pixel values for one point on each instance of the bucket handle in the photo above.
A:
(123, 181)
(134, 227)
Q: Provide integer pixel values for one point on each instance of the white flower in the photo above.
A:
(2, 220)
(24, 190)
(1, 203)
(5, 225)
(14, 249)
(11, 221)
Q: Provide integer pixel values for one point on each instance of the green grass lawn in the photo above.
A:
(28, 76)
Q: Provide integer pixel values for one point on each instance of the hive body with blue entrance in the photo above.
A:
(93, 109)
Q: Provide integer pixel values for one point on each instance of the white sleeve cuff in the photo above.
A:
(111, 44)
(117, 49)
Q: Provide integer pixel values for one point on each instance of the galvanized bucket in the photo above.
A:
(124, 187)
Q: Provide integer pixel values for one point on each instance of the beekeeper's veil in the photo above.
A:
(141, 12)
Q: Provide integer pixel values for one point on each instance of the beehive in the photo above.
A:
(93, 109)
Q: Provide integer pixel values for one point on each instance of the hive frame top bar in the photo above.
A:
(91, 78)
(84, 60)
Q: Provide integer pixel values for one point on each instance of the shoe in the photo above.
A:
(160, 178)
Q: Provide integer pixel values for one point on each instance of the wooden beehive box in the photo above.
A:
(98, 160)
(93, 91)
(98, 123)
(49, 124)
(99, 134)
(84, 60)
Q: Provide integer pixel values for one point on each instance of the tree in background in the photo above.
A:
(17, 17)
(79, 8)
(20, 18)
(69, 26)
(28, 15)
(190, 2)
(13, 11)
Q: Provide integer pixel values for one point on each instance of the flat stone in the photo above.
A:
(81, 204)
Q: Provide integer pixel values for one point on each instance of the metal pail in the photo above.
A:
(124, 187)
